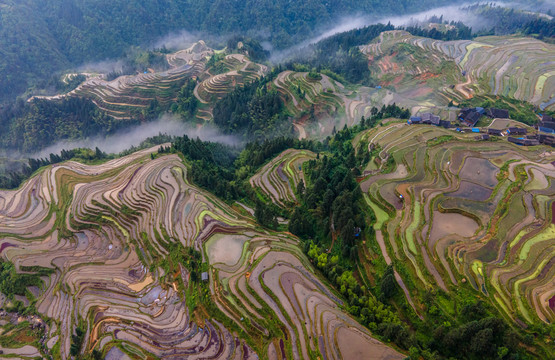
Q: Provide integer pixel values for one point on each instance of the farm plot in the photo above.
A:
(239, 71)
(279, 178)
(126, 95)
(116, 238)
(327, 96)
(414, 74)
(516, 67)
(521, 68)
(468, 210)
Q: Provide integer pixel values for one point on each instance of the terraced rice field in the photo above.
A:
(240, 70)
(427, 78)
(517, 67)
(106, 230)
(463, 212)
(279, 178)
(330, 98)
(126, 95)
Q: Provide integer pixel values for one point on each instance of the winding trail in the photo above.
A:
(381, 242)
(195, 92)
(301, 130)
(461, 87)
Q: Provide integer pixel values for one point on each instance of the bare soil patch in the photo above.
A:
(225, 249)
(471, 191)
(354, 345)
(451, 223)
(480, 171)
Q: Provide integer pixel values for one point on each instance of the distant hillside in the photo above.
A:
(515, 67)
(40, 37)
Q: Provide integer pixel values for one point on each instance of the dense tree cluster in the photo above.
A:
(506, 20)
(388, 111)
(30, 126)
(454, 31)
(248, 46)
(266, 215)
(253, 110)
(542, 28)
(12, 283)
(187, 103)
(487, 337)
(212, 165)
(330, 200)
(77, 340)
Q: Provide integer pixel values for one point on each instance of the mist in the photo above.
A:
(177, 41)
(449, 13)
(174, 41)
(133, 136)
(458, 13)
(356, 21)
(184, 39)
(102, 67)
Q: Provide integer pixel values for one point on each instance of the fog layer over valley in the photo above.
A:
(459, 12)
(277, 179)
(133, 136)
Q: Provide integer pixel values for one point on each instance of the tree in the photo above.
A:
(300, 223)
(300, 188)
(351, 161)
(265, 215)
(388, 284)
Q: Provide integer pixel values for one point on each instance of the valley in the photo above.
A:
(384, 193)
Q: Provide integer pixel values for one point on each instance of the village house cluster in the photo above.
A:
(469, 117)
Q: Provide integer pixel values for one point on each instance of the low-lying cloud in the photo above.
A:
(133, 136)
(177, 41)
(449, 13)
(103, 67)
(184, 39)
(356, 21)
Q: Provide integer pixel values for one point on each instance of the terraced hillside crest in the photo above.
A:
(420, 79)
(465, 212)
(118, 237)
(124, 96)
(279, 178)
(517, 67)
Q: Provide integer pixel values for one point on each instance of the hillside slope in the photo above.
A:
(38, 37)
(468, 212)
(516, 67)
(122, 265)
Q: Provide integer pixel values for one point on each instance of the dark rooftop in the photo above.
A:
(497, 113)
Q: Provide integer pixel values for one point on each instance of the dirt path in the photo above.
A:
(195, 92)
(281, 80)
(301, 130)
(379, 239)
(406, 291)
(381, 242)
(461, 87)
